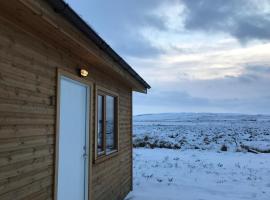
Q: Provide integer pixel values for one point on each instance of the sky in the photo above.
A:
(197, 55)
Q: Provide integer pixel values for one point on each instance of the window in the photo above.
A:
(107, 132)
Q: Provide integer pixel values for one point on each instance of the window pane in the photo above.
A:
(100, 147)
(110, 124)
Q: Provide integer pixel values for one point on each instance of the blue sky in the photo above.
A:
(198, 55)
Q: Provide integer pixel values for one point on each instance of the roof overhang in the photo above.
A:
(54, 22)
(70, 15)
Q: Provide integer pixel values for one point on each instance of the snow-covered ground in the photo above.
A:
(182, 157)
(202, 131)
(166, 174)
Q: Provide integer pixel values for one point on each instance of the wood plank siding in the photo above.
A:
(31, 53)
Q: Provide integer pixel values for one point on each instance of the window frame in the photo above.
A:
(104, 155)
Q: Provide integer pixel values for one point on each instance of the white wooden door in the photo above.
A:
(72, 182)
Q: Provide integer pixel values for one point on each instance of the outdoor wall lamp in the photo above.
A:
(83, 73)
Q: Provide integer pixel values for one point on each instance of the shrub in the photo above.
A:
(224, 148)
(146, 138)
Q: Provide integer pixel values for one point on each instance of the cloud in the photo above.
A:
(164, 101)
(244, 19)
(130, 26)
(246, 92)
(204, 64)
(259, 69)
(255, 73)
(173, 98)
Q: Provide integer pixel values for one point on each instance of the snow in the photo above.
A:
(204, 131)
(190, 164)
(165, 174)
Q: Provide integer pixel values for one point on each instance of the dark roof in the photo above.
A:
(69, 14)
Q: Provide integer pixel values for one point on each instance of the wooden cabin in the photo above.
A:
(65, 107)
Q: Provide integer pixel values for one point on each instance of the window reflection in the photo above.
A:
(110, 124)
(100, 142)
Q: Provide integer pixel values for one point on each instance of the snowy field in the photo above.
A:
(166, 174)
(202, 131)
(179, 157)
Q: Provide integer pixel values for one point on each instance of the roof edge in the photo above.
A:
(69, 14)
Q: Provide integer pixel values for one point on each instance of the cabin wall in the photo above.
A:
(28, 92)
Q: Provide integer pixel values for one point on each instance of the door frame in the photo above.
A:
(89, 142)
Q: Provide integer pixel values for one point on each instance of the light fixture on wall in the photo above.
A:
(83, 72)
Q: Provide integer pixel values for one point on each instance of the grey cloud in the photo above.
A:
(246, 78)
(259, 69)
(252, 27)
(184, 102)
(246, 93)
(236, 17)
(254, 73)
(172, 98)
(136, 46)
(259, 105)
(119, 22)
